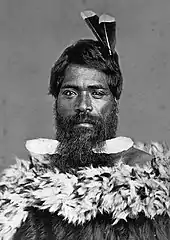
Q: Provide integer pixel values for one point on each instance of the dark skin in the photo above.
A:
(85, 90)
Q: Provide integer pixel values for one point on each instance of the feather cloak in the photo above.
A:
(122, 191)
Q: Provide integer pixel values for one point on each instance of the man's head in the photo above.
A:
(86, 83)
(90, 54)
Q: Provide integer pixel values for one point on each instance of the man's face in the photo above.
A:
(86, 105)
(85, 116)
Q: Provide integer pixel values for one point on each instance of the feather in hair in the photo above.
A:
(108, 27)
(92, 21)
(103, 27)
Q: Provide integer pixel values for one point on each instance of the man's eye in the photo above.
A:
(98, 94)
(68, 93)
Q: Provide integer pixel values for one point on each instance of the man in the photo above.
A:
(85, 184)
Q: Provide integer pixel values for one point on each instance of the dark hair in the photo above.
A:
(92, 54)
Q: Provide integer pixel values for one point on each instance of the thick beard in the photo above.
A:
(76, 144)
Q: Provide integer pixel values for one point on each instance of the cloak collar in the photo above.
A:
(43, 146)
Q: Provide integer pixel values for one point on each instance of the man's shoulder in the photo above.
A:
(141, 153)
(135, 156)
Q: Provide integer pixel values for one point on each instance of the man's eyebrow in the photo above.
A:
(70, 86)
(97, 86)
(94, 86)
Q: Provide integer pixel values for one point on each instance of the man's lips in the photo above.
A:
(84, 124)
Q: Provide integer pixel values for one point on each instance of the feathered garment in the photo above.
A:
(122, 191)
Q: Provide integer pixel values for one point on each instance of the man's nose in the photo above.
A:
(83, 103)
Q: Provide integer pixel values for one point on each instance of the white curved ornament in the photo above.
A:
(116, 145)
(42, 146)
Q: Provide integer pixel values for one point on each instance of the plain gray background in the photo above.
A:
(32, 35)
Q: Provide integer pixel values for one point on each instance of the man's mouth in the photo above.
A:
(86, 124)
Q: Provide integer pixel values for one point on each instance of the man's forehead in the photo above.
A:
(77, 73)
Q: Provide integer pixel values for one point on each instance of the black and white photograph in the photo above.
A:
(84, 120)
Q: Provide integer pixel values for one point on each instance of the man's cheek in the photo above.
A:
(64, 111)
(106, 111)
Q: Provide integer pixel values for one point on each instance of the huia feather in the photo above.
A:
(103, 28)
